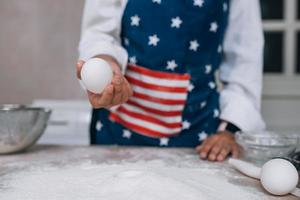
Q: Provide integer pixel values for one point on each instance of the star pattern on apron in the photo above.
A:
(202, 136)
(127, 134)
(198, 3)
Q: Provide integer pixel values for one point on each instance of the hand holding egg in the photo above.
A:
(105, 84)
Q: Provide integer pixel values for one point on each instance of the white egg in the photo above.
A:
(279, 176)
(96, 74)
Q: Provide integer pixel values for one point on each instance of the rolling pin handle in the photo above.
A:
(245, 168)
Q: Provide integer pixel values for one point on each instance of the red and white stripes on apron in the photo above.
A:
(156, 107)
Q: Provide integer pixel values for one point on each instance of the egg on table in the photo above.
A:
(279, 176)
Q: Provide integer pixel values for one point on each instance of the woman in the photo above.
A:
(169, 52)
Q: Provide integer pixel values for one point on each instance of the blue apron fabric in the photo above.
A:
(194, 43)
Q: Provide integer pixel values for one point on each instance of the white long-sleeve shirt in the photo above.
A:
(240, 71)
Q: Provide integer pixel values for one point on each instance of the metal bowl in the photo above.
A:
(261, 146)
(21, 127)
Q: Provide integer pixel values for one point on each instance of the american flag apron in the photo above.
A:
(174, 48)
(155, 110)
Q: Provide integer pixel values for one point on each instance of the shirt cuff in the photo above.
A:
(105, 48)
(227, 126)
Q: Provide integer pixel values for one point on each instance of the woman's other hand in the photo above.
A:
(218, 147)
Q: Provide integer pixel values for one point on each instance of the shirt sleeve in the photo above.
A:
(100, 31)
(241, 70)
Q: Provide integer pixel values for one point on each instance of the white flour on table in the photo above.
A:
(143, 180)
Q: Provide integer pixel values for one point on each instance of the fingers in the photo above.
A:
(206, 147)
(114, 94)
(215, 150)
(125, 95)
(122, 90)
(79, 65)
(107, 97)
(118, 83)
(103, 100)
(118, 89)
(128, 88)
(218, 147)
(227, 149)
(223, 153)
(116, 70)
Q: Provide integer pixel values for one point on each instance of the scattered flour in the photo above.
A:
(142, 180)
